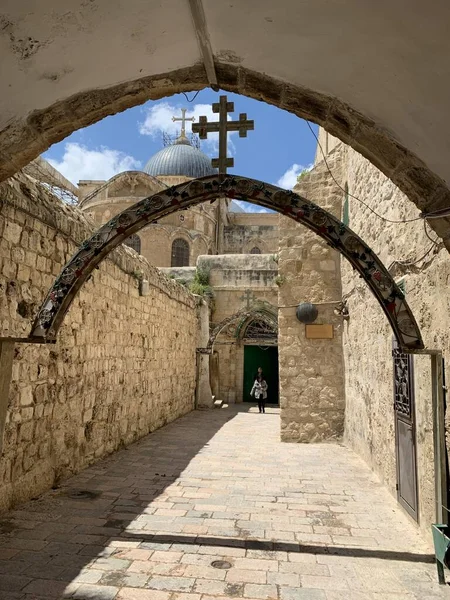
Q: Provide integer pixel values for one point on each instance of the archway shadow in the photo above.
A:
(54, 536)
(50, 541)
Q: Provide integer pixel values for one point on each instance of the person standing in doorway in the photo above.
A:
(259, 390)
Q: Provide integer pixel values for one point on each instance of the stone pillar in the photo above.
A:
(214, 373)
(312, 397)
(6, 361)
(203, 398)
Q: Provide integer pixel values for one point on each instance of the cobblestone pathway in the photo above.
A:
(294, 522)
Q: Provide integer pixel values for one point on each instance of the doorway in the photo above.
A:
(265, 357)
(405, 431)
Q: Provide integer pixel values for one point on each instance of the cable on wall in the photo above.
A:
(351, 195)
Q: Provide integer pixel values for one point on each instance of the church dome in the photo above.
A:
(180, 159)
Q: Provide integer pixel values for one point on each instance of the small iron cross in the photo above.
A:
(223, 126)
(249, 296)
(183, 120)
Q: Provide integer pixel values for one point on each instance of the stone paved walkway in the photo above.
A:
(295, 522)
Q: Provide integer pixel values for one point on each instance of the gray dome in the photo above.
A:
(180, 159)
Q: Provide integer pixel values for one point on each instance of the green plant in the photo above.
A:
(202, 275)
(280, 280)
(200, 284)
(275, 257)
(302, 174)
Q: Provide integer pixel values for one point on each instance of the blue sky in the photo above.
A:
(279, 148)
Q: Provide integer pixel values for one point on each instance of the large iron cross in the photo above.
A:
(223, 126)
(183, 120)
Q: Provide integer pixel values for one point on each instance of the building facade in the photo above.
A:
(236, 249)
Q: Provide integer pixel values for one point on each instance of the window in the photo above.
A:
(345, 208)
(255, 250)
(134, 241)
(180, 253)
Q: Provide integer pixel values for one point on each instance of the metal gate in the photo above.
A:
(405, 431)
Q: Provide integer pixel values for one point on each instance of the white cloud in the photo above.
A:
(158, 118)
(288, 180)
(79, 162)
(248, 207)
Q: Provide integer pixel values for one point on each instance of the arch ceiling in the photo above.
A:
(94, 250)
(374, 74)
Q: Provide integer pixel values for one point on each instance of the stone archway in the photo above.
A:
(255, 326)
(242, 318)
(24, 139)
(94, 250)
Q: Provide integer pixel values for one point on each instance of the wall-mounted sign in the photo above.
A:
(319, 332)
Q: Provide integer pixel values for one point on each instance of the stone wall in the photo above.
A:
(246, 231)
(425, 271)
(311, 370)
(123, 364)
(239, 282)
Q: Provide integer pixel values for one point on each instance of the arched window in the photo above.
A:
(180, 253)
(255, 250)
(134, 241)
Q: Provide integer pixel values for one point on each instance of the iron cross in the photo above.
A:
(249, 296)
(223, 126)
(183, 120)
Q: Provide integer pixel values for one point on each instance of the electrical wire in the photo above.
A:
(351, 195)
(192, 99)
(312, 302)
(435, 242)
(436, 214)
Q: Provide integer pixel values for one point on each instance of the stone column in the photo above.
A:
(203, 398)
(312, 397)
(214, 373)
(6, 361)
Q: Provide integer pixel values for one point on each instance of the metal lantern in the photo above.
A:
(306, 312)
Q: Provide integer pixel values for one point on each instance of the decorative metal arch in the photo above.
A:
(165, 202)
(242, 316)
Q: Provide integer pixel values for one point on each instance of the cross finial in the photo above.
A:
(247, 297)
(183, 120)
(223, 107)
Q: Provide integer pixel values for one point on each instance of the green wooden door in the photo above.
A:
(266, 358)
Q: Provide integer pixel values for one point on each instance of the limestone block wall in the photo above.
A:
(246, 231)
(311, 372)
(123, 364)
(239, 282)
(369, 423)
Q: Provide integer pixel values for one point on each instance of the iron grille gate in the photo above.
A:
(405, 433)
